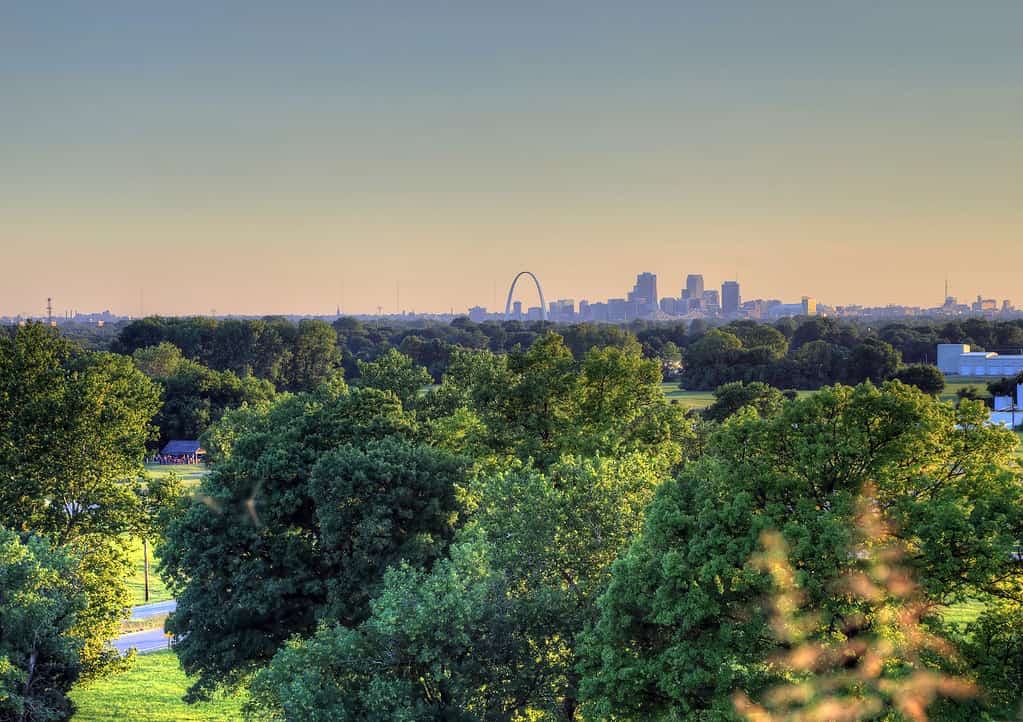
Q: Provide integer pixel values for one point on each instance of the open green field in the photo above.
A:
(136, 583)
(697, 399)
(954, 383)
(151, 690)
(689, 399)
(964, 612)
(190, 474)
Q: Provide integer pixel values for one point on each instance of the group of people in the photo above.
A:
(176, 459)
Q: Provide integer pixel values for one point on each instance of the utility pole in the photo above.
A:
(145, 566)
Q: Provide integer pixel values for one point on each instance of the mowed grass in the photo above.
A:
(697, 399)
(151, 690)
(689, 399)
(964, 612)
(955, 383)
(189, 474)
(136, 583)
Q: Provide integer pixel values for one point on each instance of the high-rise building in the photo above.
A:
(730, 298)
(711, 301)
(644, 293)
(562, 310)
(809, 306)
(694, 286)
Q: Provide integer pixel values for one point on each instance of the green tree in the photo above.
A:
(196, 397)
(394, 371)
(315, 356)
(680, 630)
(158, 361)
(490, 632)
(73, 428)
(306, 499)
(40, 598)
(730, 398)
(872, 359)
(926, 377)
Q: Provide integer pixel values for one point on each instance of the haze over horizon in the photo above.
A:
(254, 158)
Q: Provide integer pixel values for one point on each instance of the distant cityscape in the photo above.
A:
(695, 301)
(643, 302)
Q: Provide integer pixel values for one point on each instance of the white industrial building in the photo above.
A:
(956, 359)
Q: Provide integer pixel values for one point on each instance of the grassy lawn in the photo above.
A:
(964, 612)
(136, 582)
(689, 399)
(697, 399)
(190, 474)
(151, 690)
(954, 383)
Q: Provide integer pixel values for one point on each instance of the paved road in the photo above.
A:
(151, 640)
(146, 611)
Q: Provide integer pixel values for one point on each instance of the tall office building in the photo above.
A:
(730, 299)
(644, 293)
(694, 286)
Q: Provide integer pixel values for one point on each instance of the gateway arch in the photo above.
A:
(511, 291)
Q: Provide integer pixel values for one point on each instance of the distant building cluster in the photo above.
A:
(68, 317)
(644, 303)
(696, 301)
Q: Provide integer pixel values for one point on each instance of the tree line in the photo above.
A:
(206, 366)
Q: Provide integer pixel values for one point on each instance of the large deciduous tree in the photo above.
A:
(491, 632)
(73, 429)
(682, 624)
(313, 499)
(41, 594)
(394, 371)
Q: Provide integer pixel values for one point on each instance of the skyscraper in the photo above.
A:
(730, 299)
(644, 294)
(694, 286)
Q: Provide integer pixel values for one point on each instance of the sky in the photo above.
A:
(266, 157)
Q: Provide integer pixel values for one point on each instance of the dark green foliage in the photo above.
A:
(490, 632)
(540, 404)
(292, 357)
(872, 360)
(305, 507)
(730, 398)
(394, 371)
(682, 624)
(925, 377)
(73, 429)
(377, 505)
(195, 397)
(1005, 386)
(41, 594)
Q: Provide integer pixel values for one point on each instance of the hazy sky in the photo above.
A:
(259, 157)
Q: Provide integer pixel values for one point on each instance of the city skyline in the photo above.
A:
(697, 298)
(294, 158)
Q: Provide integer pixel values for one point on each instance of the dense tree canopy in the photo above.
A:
(73, 429)
(681, 626)
(41, 594)
(315, 498)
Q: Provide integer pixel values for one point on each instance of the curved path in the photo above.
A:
(148, 640)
